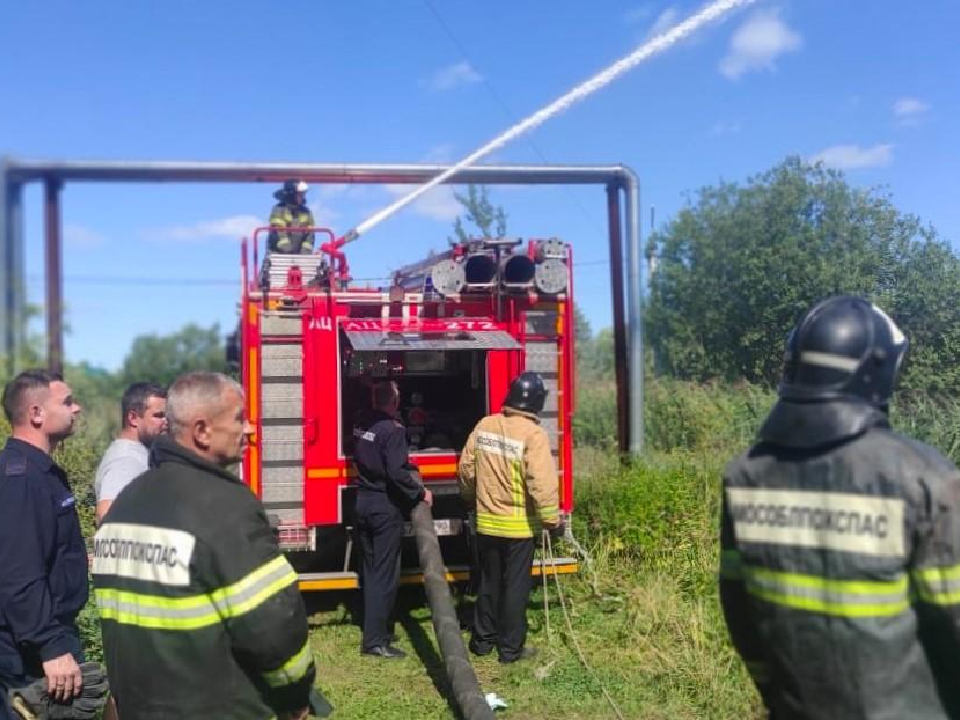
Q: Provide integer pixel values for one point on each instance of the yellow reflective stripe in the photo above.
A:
(938, 585)
(730, 565)
(550, 513)
(158, 613)
(196, 611)
(842, 598)
(507, 526)
(293, 670)
(825, 607)
(849, 587)
(938, 574)
(251, 591)
(516, 476)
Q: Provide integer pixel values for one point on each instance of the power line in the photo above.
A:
(498, 99)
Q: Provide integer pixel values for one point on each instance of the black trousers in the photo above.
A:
(380, 527)
(500, 617)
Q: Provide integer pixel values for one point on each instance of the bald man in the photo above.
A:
(201, 613)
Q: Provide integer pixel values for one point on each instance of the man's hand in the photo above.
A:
(427, 498)
(63, 678)
(300, 714)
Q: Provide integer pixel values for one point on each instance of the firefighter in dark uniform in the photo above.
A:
(840, 539)
(290, 213)
(43, 560)
(201, 614)
(388, 487)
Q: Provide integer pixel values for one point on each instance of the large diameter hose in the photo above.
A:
(466, 687)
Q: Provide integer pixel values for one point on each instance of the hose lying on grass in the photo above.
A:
(446, 625)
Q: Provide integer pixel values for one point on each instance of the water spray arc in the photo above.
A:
(650, 48)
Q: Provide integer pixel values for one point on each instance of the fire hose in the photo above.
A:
(446, 625)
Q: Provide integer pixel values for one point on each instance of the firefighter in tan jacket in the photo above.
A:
(507, 473)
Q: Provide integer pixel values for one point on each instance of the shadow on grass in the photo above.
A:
(425, 648)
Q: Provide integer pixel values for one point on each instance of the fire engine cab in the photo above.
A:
(452, 331)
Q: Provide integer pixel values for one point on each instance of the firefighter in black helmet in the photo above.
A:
(290, 213)
(509, 478)
(840, 539)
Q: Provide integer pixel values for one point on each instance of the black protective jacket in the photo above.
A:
(383, 460)
(201, 614)
(840, 567)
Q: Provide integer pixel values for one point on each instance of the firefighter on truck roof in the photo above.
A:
(290, 213)
(201, 614)
(840, 539)
(509, 478)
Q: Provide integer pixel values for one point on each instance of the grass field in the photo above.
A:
(646, 618)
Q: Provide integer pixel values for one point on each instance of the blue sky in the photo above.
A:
(869, 87)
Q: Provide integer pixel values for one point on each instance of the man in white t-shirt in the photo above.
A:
(143, 408)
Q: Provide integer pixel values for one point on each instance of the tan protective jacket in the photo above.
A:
(507, 469)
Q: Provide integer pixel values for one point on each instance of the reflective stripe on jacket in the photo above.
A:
(508, 471)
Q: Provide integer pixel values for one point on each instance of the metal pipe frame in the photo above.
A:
(628, 329)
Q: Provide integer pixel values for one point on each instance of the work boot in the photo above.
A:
(525, 654)
(480, 649)
(388, 652)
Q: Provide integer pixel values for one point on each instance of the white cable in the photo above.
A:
(650, 48)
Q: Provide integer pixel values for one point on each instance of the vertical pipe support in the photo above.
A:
(619, 324)
(12, 273)
(631, 187)
(54, 273)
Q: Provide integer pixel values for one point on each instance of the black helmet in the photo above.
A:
(843, 346)
(527, 393)
(289, 190)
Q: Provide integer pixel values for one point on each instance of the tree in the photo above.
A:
(738, 266)
(489, 219)
(161, 358)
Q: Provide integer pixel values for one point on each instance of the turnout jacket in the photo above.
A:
(383, 460)
(284, 220)
(201, 614)
(507, 470)
(840, 567)
(43, 561)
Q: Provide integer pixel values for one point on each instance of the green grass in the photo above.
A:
(646, 617)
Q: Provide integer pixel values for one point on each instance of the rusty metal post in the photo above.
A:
(619, 320)
(12, 290)
(54, 273)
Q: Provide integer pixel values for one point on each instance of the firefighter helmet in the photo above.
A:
(288, 191)
(843, 346)
(527, 393)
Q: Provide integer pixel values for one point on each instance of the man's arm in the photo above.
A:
(467, 470)
(306, 244)
(936, 575)
(27, 524)
(396, 457)
(542, 478)
(736, 608)
(279, 224)
(115, 477)
(264, 613)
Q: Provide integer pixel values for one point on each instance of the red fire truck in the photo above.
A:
(452, 331)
